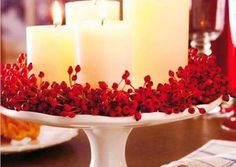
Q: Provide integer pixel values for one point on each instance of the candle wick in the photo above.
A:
(102, 22)
(56, 24)
(95, 2)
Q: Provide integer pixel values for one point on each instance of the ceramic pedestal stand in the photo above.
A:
(107, 135)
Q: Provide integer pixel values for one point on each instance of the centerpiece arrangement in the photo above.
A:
(52, 104)
(104, 102)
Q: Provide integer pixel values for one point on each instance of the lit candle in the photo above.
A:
(160, 36)
(79, 11)
(103, 50)
(51, 49)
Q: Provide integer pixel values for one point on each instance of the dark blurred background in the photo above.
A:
(15, 16)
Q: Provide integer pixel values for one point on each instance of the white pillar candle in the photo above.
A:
(51, 49)
(160, 36)
(79, 11)
(104, 51)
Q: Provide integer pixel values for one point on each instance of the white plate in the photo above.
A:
(49, 136)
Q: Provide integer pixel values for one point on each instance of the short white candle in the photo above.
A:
(104, 51)
(51, 49)
(79, 11)
(160, 36)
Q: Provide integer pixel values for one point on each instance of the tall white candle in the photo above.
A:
(51, 49)
(104, 51)
(79, 11)
(160, 36)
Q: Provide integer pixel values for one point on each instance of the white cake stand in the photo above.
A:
(107, 135)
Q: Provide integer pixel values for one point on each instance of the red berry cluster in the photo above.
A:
(204, 78)
(201, 81)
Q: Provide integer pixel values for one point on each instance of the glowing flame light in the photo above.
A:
(57, 14)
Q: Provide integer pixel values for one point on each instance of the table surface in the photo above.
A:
(146, 146)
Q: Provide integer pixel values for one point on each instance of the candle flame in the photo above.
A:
(57, 14)
(102, 11)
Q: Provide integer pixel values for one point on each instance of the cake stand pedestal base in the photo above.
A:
(108, 146)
